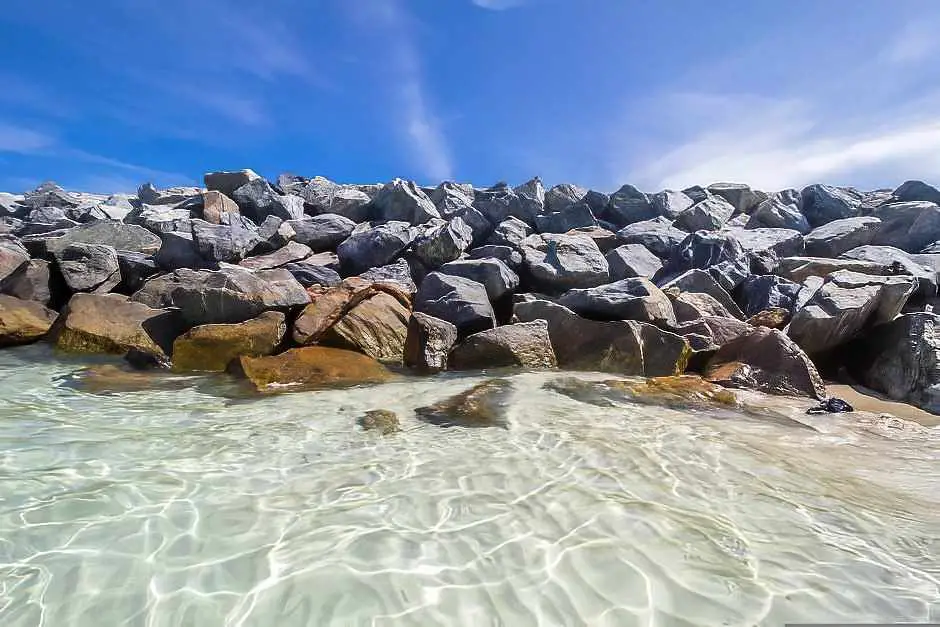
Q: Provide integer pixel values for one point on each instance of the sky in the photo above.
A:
(102, 95)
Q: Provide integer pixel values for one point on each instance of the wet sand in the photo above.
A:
(865, 399)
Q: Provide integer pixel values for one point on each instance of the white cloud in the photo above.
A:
(20, 140)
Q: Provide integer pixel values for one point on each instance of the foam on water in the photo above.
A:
(195, 507)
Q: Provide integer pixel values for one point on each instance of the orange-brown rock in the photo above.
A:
(212, 347)
(312, 367)
(773, 318)
(682, 392)
(378, 327)
(214, 204)
(23, 321)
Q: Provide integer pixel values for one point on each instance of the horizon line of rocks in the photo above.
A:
(746, 287)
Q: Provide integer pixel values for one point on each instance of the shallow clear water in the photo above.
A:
(192, 506)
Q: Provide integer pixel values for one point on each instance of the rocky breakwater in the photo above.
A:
(307, 282)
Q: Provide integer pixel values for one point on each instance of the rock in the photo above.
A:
(162, 219)
(509, 256)
(808, 288)
(31, 281)
(324, 196)
(224, 296)
(377, 327)
(214, 204)
(496, 203)
(292, 183)
(493, 274)
(915, 191)
(782, 242)
(327, 307)
(403, 201)
(658, 235)
(768, 361)
(632, 260)
(525, 344)
(759, 293)
(120, 236)
(774, 318)
(562, 196)
(135, 268)
(839, 236)
(308, 274)
(624, 347)
(229, 243)
(228, 182)
(178, 251)
(799, 268)
(910, 226)
(741, 197)
(896, 261)
(718, 253)
(480, 227)
(483, 405)
(11, 206)
(707, 215)
(374, 246)
(780, 211)
(150, 195)
(628, 299)
(701, 282)
(452, 199)
(557, 263)
(112, 323)
(23, 321)
(510, 232)
(460, 301)
(442, 243)
(628, 205)
(398, 274)
(531, 199)
(823, 204)
(12, 256)
(293, 252)
(690, 306)
(49, 194)
(900, 360)
(686, 392)
(274, 234)
(322, 232)
(606, 240)
(89, 267)
(428, 343)
(574, 216)
(312, 367)
(669, 204)
(212, 347)
(844, 306)
(258, 200)
(763, 261)
(381, 420)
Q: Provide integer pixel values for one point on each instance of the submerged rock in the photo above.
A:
(677, 392)
(382, 420)
(525, 344)
(484, 405)
(212, 347)
(428, 342)
(23, 321)
(312, 367)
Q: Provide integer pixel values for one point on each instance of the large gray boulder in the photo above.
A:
(701, 282)
(690, 306)
(428, 342)
(574, 216)
(721, 254)
(896, 261)
(510, 232)
(799, 268)
(257, 200)
(452, 199)
(292, 252)
(179, 250)
(398, 274)
(120, 236)
(914, 191)
(839, 236)
(629, 299)
(524, 344)
(532, 200)
(557, 263)
(12, 255)
(136, 268)
(508, 255)
(442, 243)
(562, 196)
(823, 203)
(780, 211)
(707, 215)
(493, 274)
(229, 242)
(308, 274)
(31, 281)
(150, 195)
(759, 293)
(910, 226)
(782, 242)
(322, 232)
(228, 182)
(846, 304)
(632, 260)
(161, 219)
(629, 205)
(460, 301)
(223, 296)
(89, 267)
(374, 246)
(622, 347)
(740, 196)
(496, 203)
(322, 195)
(403, 201)
(658, 235)
(901, 360)
(669, 203)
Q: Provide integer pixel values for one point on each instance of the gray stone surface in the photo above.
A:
(839, 236)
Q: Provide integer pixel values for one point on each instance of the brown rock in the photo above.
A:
(526, 344)
(428, 343)
(773, 318)
(111, 323)
(483, 405)
(378, 327)
(212, 347)
(679, 392)
(112, 379)
(23, 321)
(691, 306)
(381, 420)
(312, 367)
(214, 204)
(327, 306)
(768, 361)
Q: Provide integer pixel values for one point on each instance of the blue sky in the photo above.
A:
(104, 94)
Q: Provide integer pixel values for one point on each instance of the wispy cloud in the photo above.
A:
(499, 5)
(918, 41)
(20, 140)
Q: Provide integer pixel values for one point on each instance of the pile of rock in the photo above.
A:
(310, 281)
